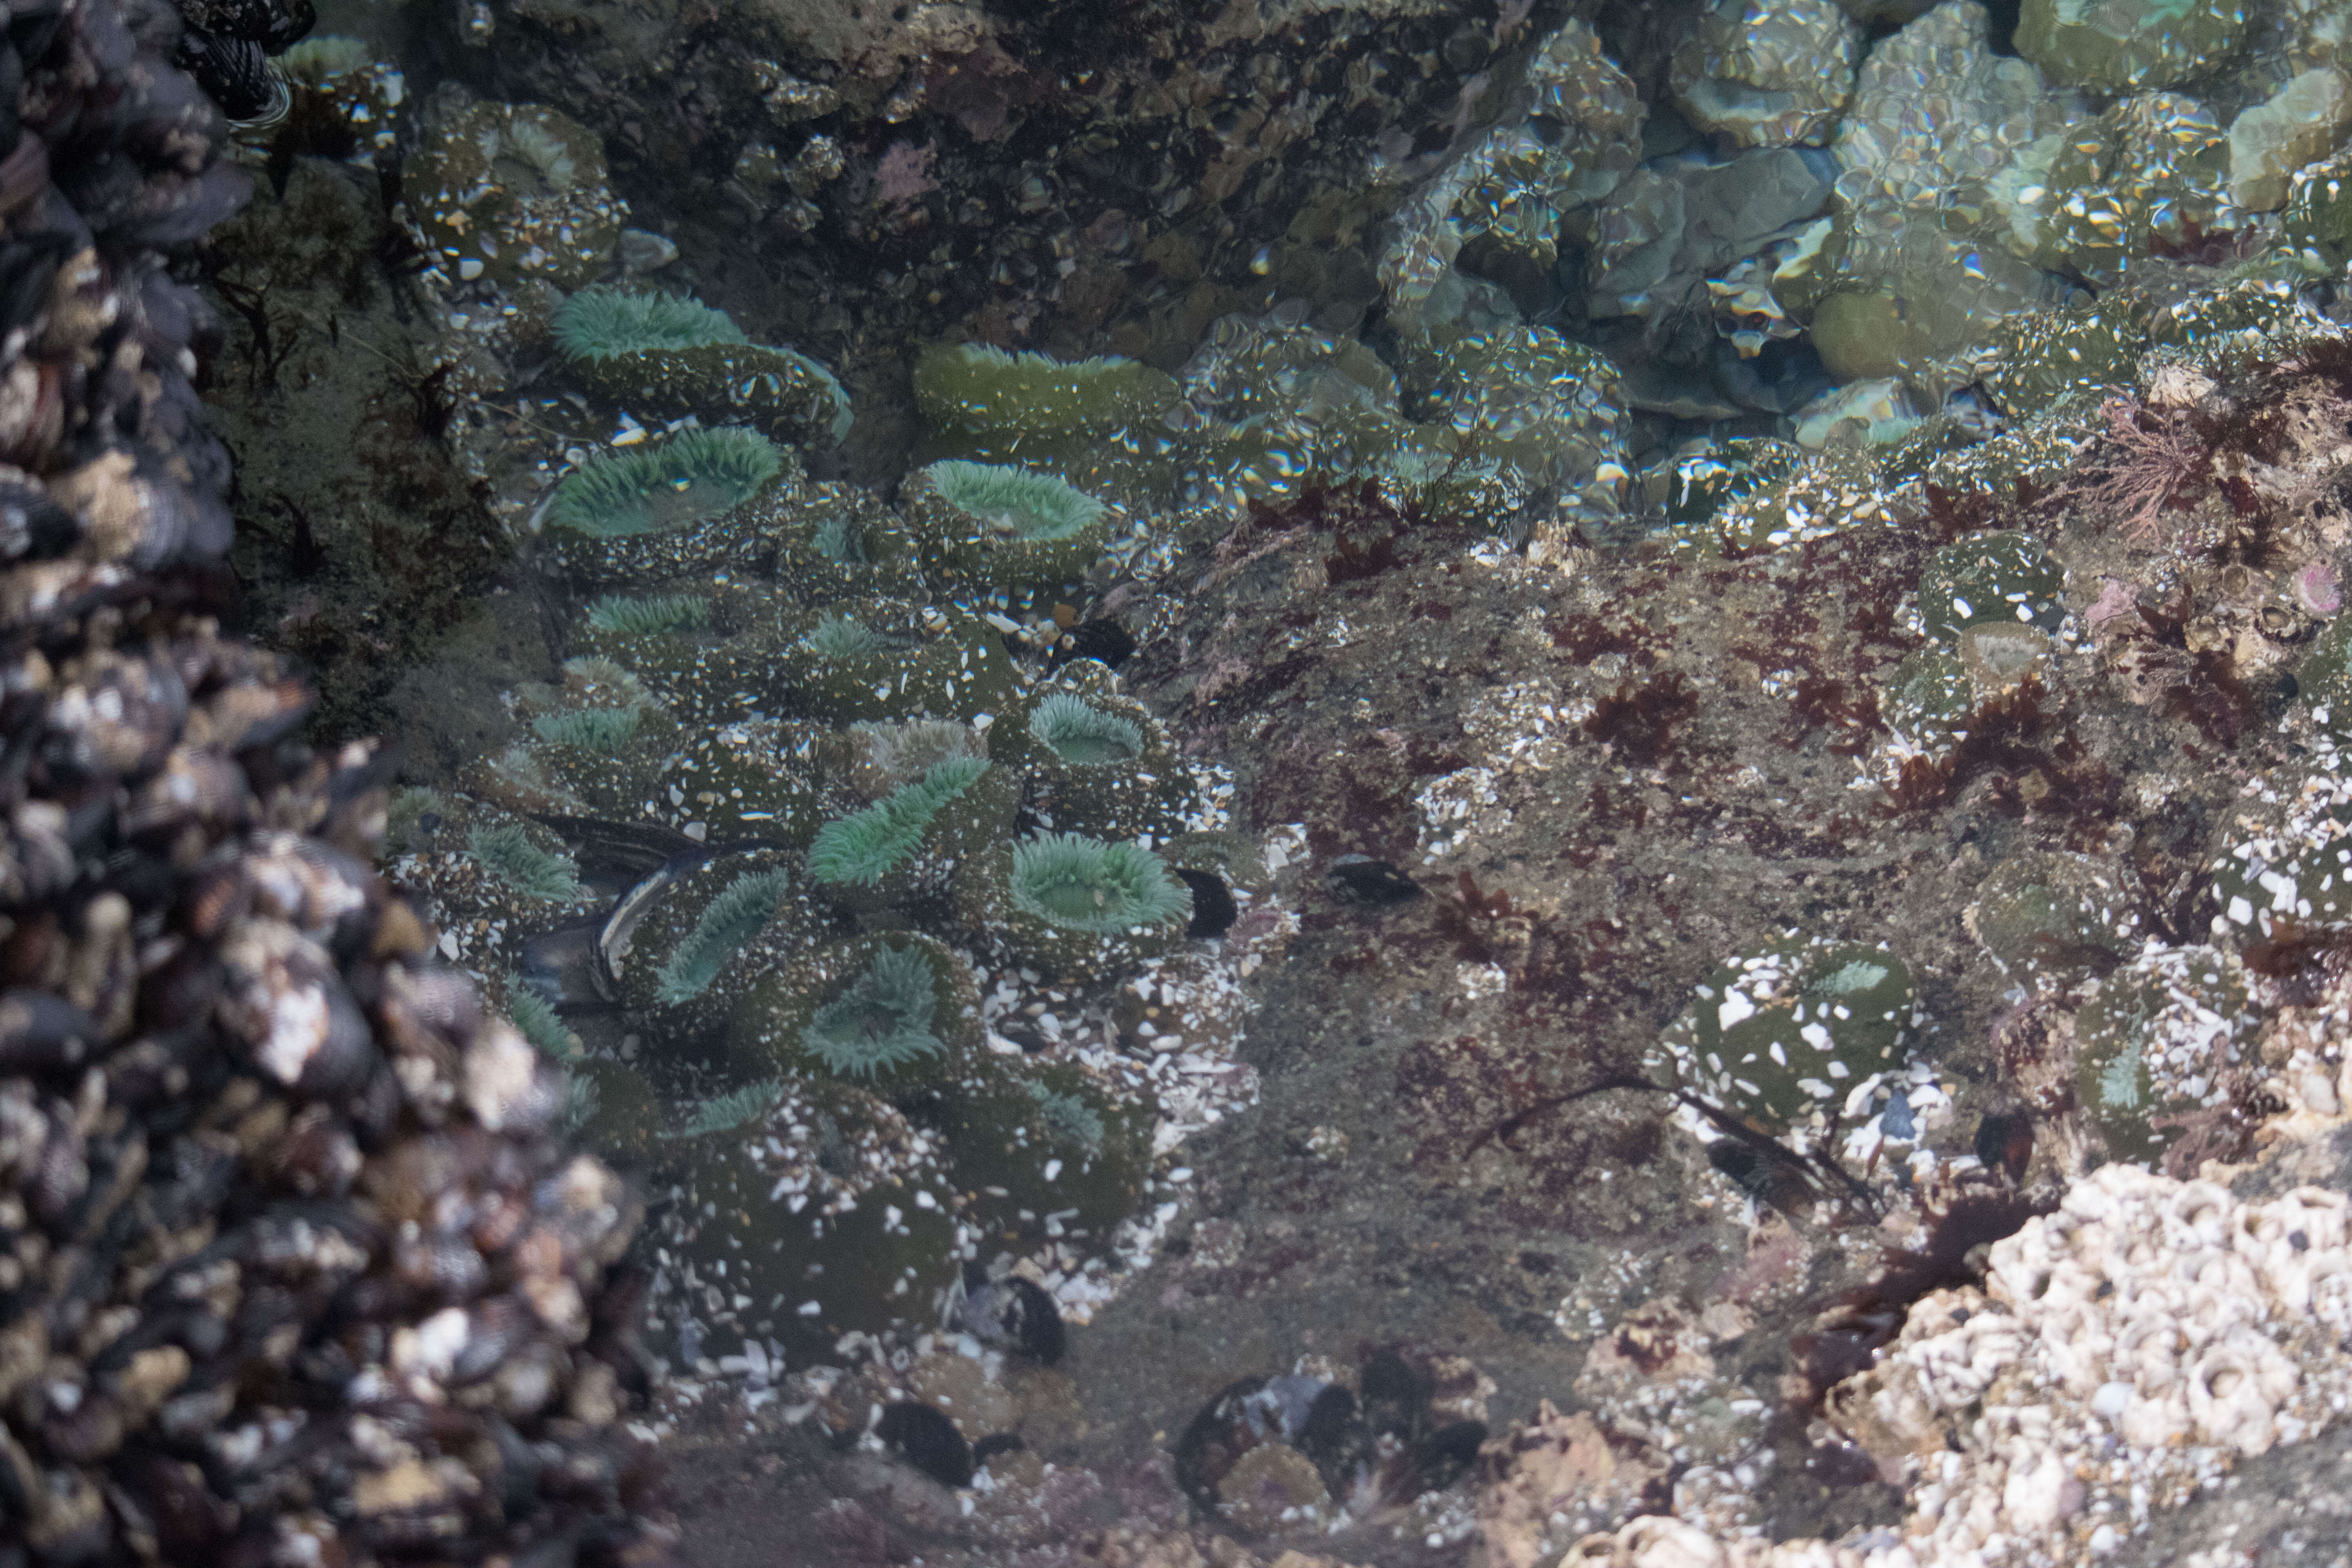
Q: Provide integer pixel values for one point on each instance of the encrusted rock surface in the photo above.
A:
(1764, 584)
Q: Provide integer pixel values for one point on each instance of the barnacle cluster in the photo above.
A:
(294, 1264)
(2119, 1353)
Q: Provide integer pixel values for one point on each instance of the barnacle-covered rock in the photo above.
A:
(665, 355)
(510, 192)
(2134, 1320)
(1791, 1031)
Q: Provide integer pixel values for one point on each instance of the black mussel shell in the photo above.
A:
(1213, 909)
(928, 1440)
(1364, 880)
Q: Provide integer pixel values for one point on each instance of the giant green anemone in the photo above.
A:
(673, 353)
(728, 921)
(1079, 733)
(837, 638)
(1014, 504)
(590, 729)
(603, 322)
(621, 616)
(1083, 884)
(508, 852)
(862, 848)
(1008, 527)
(687, 479)
(883, 1021)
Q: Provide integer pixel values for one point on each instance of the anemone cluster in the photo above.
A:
(798, 818)
(293, 1265)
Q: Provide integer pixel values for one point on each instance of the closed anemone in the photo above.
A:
(1077, 731)
(1083, 884)
(508, 853)
(865, 847)
(623, 617)
(1014, 503)
(882, 1022)
(728, 921)
(601, 322)
(838, 637)
(591, 729)
(693, 476)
